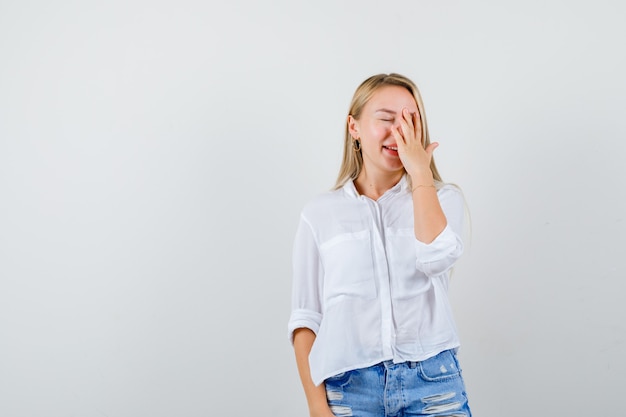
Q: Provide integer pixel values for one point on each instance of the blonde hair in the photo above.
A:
(352, 162)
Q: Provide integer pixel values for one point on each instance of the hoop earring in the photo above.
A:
(356, 145)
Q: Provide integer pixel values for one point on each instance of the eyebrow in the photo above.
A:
(385, 111)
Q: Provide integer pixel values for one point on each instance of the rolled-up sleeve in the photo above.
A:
(441, 254)
(306, 306)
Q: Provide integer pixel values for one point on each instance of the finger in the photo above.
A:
(396, 134)
(406, 124)
(431, 148)
(418, 128)
(409, 117)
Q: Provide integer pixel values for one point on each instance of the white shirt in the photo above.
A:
(366, 286)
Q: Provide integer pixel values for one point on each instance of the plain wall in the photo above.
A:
(154, 158)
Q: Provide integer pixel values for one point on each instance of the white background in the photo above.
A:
(155, 155)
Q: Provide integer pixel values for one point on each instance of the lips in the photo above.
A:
(391, 147)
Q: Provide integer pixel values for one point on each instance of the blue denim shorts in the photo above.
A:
(433, 388)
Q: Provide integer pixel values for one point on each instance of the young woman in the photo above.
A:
(371, 323)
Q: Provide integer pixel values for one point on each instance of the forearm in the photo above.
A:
(428, 217)
(315, 395)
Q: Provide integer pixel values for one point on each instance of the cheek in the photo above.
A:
(381, 131)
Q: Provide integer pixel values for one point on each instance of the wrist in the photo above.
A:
(422, 187)
(422, 180)
(422, 177)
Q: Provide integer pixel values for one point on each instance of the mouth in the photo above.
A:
(391, 148)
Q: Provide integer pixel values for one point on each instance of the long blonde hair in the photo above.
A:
(352, 162)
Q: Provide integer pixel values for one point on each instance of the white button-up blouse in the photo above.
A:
(366, 286)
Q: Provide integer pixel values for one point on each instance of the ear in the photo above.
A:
(353, 127)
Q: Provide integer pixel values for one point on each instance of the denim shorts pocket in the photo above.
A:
(440, 367)
(340, 380)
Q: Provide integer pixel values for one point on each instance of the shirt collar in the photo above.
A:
(401, 186)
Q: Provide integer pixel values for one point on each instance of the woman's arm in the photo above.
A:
(428, 216)
(303, 339)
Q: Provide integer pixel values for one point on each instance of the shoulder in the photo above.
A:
(323, 204)
(449, 189)
(451, 194)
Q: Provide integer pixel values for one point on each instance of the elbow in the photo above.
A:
(302, 318)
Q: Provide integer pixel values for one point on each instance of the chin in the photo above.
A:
(396, 167)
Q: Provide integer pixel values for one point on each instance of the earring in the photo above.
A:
(356, 145)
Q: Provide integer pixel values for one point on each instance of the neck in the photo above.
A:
(374, 186)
